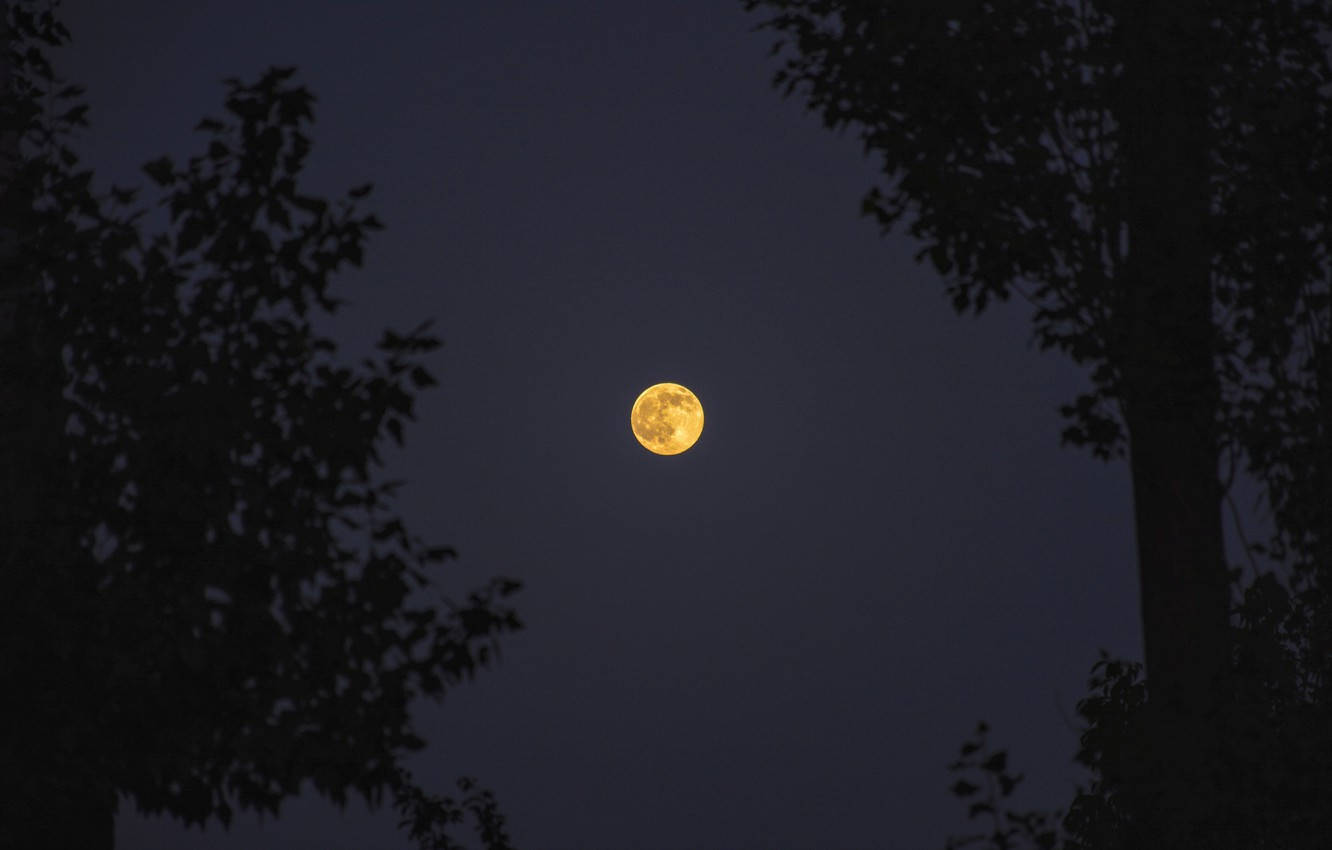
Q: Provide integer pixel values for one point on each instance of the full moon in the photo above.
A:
(667, 419)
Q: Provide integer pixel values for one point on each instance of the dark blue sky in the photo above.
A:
(778, 639)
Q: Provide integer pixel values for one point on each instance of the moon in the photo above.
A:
(667, 419)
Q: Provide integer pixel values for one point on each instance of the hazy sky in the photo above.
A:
(777, 639)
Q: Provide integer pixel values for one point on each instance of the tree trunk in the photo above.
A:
(1171, 390)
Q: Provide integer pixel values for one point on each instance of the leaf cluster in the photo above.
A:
(997, 129)
(222, 605)
(985, 785)
(428, 819)
(1266, 784)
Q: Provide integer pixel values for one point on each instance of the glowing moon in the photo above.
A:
(667, 419)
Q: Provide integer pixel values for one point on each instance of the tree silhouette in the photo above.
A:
(207, 600)
(1154, 178)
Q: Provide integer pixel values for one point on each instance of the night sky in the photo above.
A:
(777, 639)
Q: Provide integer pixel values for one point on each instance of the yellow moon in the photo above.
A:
(667, 419)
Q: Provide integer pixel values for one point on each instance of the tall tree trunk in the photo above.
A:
(51, 797)
(1171, 390)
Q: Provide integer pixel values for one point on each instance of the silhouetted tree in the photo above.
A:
(1155, 179)
(207, 600)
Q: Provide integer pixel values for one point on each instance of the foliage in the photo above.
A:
(998, 127)
(1269, 784)
(1009, 829)
(224, 605)
(427, 818)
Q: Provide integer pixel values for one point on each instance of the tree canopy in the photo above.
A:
(207, 599)
(1155, 179)
(999, 132)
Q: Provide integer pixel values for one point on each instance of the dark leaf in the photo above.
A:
(161, 171)
(996, 762)
(963, 788)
